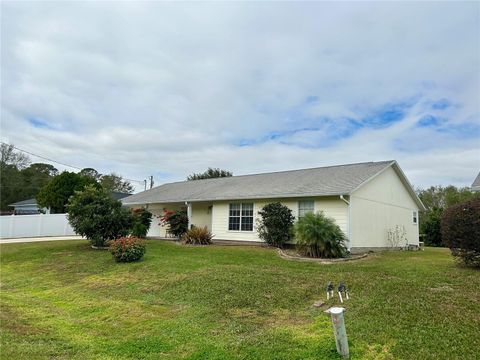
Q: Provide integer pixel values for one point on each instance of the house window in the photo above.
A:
(414, 217)
(305, 207)
(240, 217)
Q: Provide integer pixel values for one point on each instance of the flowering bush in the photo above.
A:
(177, 221)
(197, 236)
(127, 249)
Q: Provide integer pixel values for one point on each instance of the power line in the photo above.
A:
(59, 162)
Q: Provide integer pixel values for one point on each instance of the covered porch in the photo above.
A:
(199, 214)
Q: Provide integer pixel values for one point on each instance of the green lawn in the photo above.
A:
(62, 300)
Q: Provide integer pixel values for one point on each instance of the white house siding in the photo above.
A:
(202, 215)
(378, 206)
(332, 206)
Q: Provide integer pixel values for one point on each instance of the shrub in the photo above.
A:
(319, 236)
(275, 225)
(177, 221)
(96, 216)
(396, 236)
(127, 249)
(430, 227)
(197, 236)
(461, 231)
(142, 219)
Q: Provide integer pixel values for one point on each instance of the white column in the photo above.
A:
(189, 213)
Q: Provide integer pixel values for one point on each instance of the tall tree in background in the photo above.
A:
(13, 158)
(91, 173)
(436, 199)
(11, 186)
(20, 181)
(56, 193)
(35, 177)
(114, 182)
(210, 174)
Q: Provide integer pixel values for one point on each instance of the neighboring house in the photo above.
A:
(28, 207)
(365, 200)
(119, 195)
(476, 184)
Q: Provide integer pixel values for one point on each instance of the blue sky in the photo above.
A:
(167, 89)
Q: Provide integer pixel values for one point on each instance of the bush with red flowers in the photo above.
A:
(176, 221)
(127, 249)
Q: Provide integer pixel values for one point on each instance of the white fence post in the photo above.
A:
(39, 229)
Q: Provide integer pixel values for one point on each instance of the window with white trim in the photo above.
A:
(305, 207)
(414, 217)
(240, 217)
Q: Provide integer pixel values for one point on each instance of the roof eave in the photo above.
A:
(259, 197)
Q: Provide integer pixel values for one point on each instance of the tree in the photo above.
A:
(91, 173)
(436, 199)
(275, 225)
(430, 227)
(56, 193)
(443, 197)
(11, 157)
(11, 180)
(210, 174)
(96, 216)
(114, 182)
(461, 231)
(35, 177)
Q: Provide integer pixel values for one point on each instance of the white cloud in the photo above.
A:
(149, 88)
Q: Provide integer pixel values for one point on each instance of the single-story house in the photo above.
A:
(365, 200)
(476, 184)
(28, 207)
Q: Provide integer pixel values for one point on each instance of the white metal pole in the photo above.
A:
(339, 330)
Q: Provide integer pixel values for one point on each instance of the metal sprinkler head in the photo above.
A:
(329, 290)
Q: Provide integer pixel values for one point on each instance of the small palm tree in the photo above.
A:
(318, 236)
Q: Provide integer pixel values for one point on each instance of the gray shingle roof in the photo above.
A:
(322, 181)
(25, 202)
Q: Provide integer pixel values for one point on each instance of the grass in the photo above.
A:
(62, 300)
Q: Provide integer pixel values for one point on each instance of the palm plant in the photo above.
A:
(318, 236)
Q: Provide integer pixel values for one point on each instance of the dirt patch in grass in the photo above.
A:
(11, 321)
(441, 288)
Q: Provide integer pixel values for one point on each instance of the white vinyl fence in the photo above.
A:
(18, 226)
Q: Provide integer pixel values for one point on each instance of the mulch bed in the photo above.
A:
(292, 255)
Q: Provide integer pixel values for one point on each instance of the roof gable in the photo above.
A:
(403, 179)
(322, 181)
(476, 183)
